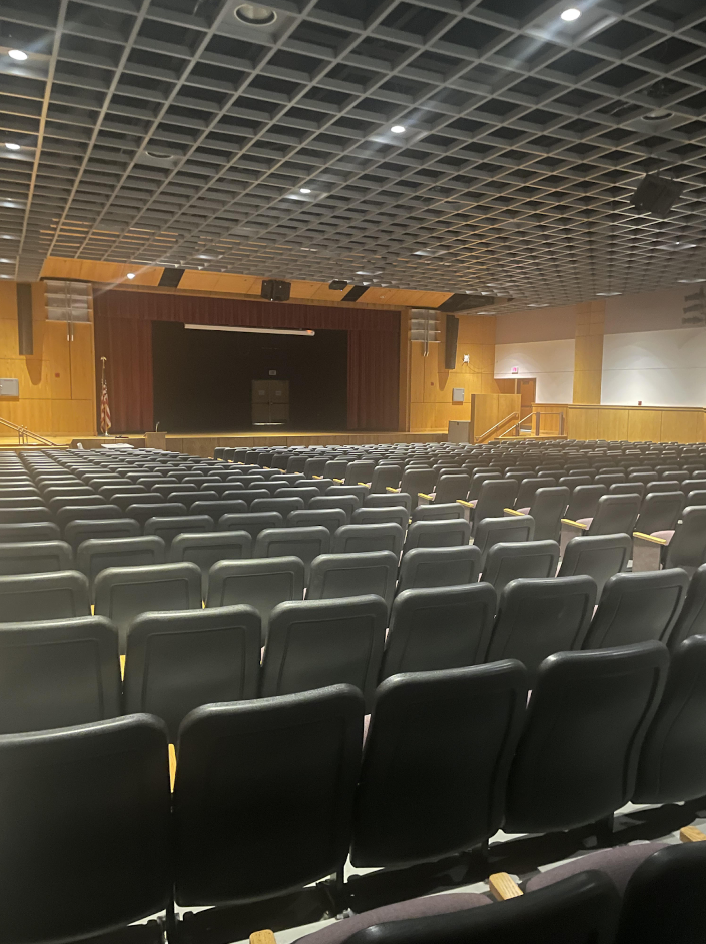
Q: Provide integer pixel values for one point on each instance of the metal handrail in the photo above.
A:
(23, 433)
(510, 416)
(538, 414)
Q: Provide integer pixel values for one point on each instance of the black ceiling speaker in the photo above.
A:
(337, 285)
(463, 302)
(171, 278)
(275, 291)
(354, 293)
(656, 195)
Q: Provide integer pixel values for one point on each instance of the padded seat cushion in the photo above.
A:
(416, 908)
(665, 535)
(618, 864)
(586, 521)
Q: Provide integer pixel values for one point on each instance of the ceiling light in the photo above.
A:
(608, 294)
(398, 129)
(17, 54)
(570, 15)
(304, 190)
(11, 146)
(254, 15)
(537, 305)
(131, 275)
(677, 245)
(690, 281)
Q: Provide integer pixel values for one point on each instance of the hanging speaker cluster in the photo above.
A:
(275, 291)
(656, 195)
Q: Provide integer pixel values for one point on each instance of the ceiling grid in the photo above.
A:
(167, 132)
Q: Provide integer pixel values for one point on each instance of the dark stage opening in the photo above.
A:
(203, 379)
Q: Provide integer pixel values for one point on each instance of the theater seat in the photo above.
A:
(304, 543)
(250, 522)
(93, 555)
(57, 673)
(577, 760)
(330, 518)
(365, 538)
(59, 595)
(84, 808)
(692, 618)
(169, 528)
(178, 661)
(35, 557)
(347, 575)
(597, 556)
(439, 567)
(394, 514)
(123, 593)
(260, 583)
(454, 532)
(492, 531)
(506, 562)
(293, 763)
(208, 548)
(316, 643)
(438, 512)
(439, 628)
(433, 778)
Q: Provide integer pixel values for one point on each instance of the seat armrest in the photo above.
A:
(575, 524)
(262, 937)
(648, 537)
(691, 834)
(391, 489)
(512, 511)
(465, 504)
(503, 887)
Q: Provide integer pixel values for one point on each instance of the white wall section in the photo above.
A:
(551, 362)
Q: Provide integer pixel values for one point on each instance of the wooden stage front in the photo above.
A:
(199, 444)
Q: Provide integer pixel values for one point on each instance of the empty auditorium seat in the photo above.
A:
(547, 509)
(598, 556)
(394, 514)
(347, 503)
(58, 672)
(35, 557)
(454, 532)
(584, 502)
(637, 608)
(315, 643)
(365, 538)
(495, 496)
(208, 548)
(143, 512)
(384, 477)
(347, 575)
(262, 584)
(24, 515)
(433, 778)
(76, 532)
(492, 531)
(178, 661)
(577, 759)
(537, 618)
(123, 593)
(304, 543)
(95, 555)
(439, 628)
(615, 514)
(438, 512)
(169, 528)
(85, 821)
(330, 518)
(687, 548)
(251, 522)
(506, 562)
(44, 596)
(439, 567)
(389, 500)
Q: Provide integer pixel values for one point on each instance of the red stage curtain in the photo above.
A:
(123, 334)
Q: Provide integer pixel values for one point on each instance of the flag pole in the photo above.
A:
(105, 409)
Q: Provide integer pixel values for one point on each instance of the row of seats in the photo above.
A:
(449, 758)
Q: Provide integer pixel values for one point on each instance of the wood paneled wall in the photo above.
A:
(489, 409)
(57, 381)
(658, 424)
(588, 352)
(430, 385)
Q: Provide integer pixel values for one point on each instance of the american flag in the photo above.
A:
(105, 406)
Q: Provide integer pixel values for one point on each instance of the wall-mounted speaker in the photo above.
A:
(275, 290)
(462, 302)
(451, 342)
(24, 318)
(656, 195)
(170, 278)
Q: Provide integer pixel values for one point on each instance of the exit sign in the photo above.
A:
(515, 370)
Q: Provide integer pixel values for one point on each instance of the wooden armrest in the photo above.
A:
(575, 524)
(428, 497)
(513, 511)
(366, 484)
(391, 489)
(122, 667)
(502, 887)
(313, 477)
(691, 834)
(172, 765)
(340, 482)
(465, 503)
(262, 937)
(648, 537)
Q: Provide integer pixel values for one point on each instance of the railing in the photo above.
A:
(537, 414)
(23, 434)
(499, 427)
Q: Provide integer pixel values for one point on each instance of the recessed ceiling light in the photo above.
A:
(17, 54)
(254, 14)
(304, 190)
(677, 245)
(131, 275)
(398, 129)
(11, 146)
(690, 281)
(570, 15)
(608, 294)
(536, 305)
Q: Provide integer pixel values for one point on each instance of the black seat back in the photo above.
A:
(687, 548)
(673, 759)
(492, 531)
(59, 595)
(293, 763)
(506, 562)
(95, 555)
(455, 532)
(347, 575)
(35, 557)
(57, 673)
(598, 556)
(660, 512)
(207, 549)
(317, 643)
(638, 607)
(251, 522)
(104, 785)
(547, 509)
(442, 628)
(439, 567)
(584, 501)
(692, 618)
(577, 760)
(178, 661)
(495, 496)
(539, 617)
(304, 543)
(615, 514)
(433, 779)
(364, 538)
